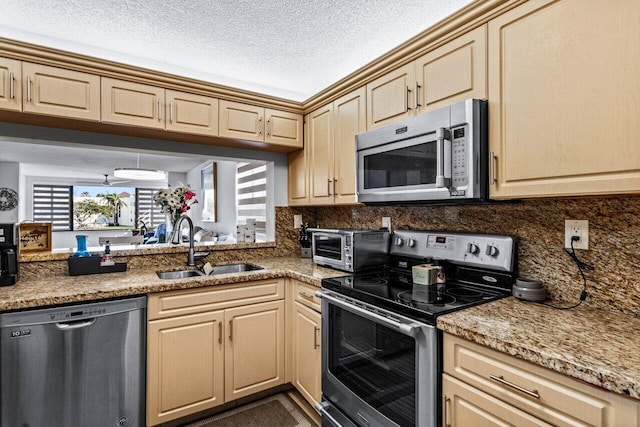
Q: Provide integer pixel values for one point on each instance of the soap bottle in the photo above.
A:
(106, 259)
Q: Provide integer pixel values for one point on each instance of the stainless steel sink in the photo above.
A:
(234, 268)
(179, 274)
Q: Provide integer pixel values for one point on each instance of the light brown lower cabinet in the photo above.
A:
(484, 387)
(306, 352)
(223, 345)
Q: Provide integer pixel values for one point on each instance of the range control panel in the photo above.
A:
(480, 250)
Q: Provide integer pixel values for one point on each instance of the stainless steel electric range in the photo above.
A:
(381, 351)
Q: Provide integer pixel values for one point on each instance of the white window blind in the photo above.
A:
(146, 210)
(53, 203)
(251, 196)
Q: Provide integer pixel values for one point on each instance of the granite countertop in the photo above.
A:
(70, 289)
(596, 346)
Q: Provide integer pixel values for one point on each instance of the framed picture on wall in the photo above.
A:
(209, 193)
(34, 236)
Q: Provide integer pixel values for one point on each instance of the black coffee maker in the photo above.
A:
(8, 254)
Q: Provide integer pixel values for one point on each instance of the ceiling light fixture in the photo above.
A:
(140, 174)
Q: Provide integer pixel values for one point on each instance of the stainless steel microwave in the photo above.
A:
(350, 249)
(439, 156)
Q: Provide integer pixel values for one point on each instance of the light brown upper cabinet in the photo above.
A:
(58, 92)
(283, 128)
(389, 98)
(453, 72)
(449, 73)
(350, 119)
(190, 113)
(563, 99)
(10, 84)
(298, 173)
(331, 149)
(130, 103)
(137, 104)
(252, 123)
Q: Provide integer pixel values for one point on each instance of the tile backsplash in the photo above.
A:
(614, 240)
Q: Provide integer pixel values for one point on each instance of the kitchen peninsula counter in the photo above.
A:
(57, 289)
(599, 347)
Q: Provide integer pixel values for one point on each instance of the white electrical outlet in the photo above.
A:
(578, 228)
(297, 221)
(386, 222)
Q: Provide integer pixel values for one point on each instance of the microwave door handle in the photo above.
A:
(409, 329)
(441, 135)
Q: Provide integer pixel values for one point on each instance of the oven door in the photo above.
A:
(379, 368)
(329, 248)
(413, 169)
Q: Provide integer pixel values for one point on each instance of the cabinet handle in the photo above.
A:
(408, 98)
(28, 88)
(335, 192)
(418, 95)
(306, 296)
(492, 168)
(329, 181)
(171, 111)
(220, 332)
(260, 125)
(500, 379)
(11, 84)
(269, 127)
(230, 330)
(447, 402)
(159, 111)
(315, 337)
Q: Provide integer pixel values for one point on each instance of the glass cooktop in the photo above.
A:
(421, 302)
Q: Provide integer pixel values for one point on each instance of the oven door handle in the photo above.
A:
(410, 329)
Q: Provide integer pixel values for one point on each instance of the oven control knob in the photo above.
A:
(399, 241)
(473, 249)
(411, 243)
(492, 251)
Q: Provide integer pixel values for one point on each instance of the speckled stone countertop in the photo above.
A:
(52, 290)
(596, 346)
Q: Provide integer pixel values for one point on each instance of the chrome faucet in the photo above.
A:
(192, 254)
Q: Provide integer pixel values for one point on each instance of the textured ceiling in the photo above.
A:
(286, 48)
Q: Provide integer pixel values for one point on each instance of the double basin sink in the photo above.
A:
(217, 269)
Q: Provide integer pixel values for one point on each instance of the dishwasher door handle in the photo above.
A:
(65, 326)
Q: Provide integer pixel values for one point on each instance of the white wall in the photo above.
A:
(10, 178)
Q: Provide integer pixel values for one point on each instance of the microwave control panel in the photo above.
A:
(459, 153)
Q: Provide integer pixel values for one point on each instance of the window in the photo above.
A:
(251, 196)
(53, 203)
(94, 208)
(147, 210)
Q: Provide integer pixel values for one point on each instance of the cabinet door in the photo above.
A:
(185, 372)
(132, 104)
(306, 352)
(10, 86)
(190, 113)
(466, 406)
(321, 156)
(390, 97)
(254, 358)
(59, 92)
(453, 72)
(283, 128)
(241, 121)
(563, 98)
(298, 178)
(350, 120)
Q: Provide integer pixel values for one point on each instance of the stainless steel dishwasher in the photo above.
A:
(74, 366)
